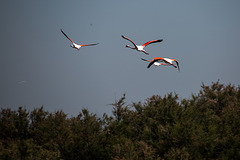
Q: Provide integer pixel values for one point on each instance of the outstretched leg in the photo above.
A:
(145, 52)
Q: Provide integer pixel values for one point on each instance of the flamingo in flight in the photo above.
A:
(77, 46)
(155, 63)
(166, 60)
(140, 48)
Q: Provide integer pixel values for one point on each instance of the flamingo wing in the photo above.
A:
(89, 44)
(150, 42)
(151, 63)
(129, 40)
(156, 59)
(66, 36)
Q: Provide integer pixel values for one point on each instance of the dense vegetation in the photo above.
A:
(205, 126)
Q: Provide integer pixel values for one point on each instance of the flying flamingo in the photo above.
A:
(166, 60)
(155, 63)
(77, 46)
(140, 48)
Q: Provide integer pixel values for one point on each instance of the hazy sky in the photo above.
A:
(38, 66)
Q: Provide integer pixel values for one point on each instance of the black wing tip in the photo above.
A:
(150, 64)
(159, 40)
(63, 32)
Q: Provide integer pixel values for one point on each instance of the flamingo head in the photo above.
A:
(128, 46)
(177, 64)
(71, 45)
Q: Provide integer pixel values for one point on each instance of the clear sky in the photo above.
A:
(38, 66)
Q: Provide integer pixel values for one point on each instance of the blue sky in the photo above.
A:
(38, 66)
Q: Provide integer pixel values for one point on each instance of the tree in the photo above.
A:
(205, 126)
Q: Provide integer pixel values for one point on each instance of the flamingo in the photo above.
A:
(166, 60)
(140, 48)
(155, 63)
(77, 46)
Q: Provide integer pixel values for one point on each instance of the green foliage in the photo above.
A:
(205, 126)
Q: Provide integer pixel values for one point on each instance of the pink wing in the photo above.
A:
(154, 41)
(88, 44)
